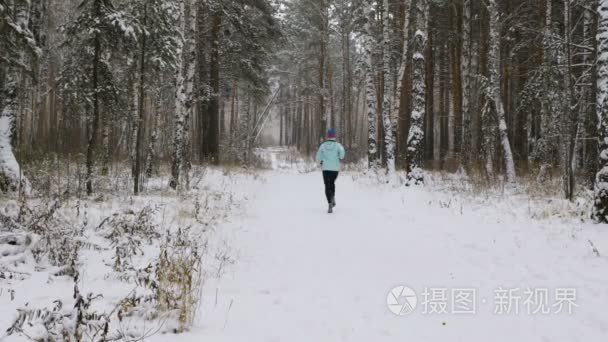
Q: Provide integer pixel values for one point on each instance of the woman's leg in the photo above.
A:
(328, 184)
(332, 186)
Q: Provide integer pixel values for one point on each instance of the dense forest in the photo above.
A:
(498, 89)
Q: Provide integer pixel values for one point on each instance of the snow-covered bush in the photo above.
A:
(127, 230)
(114, 266)
(59, 323)
(38, 234)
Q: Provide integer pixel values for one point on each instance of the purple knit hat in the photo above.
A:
(331, 133)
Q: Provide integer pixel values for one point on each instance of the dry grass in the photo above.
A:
(179, 278)
(541, 199)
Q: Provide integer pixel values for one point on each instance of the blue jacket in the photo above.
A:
(330, 153)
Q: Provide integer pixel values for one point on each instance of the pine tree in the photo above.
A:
(158, 43)
(99, 27)
(241, 40)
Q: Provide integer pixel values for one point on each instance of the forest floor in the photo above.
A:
(304, 275)
(481, 265)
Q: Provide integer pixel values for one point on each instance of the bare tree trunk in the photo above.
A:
(281, 117)
(550, 113)
(489, 140)
(456, 85)
(429, 118)
(389, 141)
(246, 123)
(590, 146)
(333, 120)
(600, 207)
(11, 178)
(139, 122)
(92, 146)
(370, 89)
(211, 131)
(444, 102)
(494, 90)
(309, 117)
(415, 140)
(183, 98)
(151, 154)
(569, 120)
(346, 84)
(105, 143)
(323, 42)
(399, 104)
(465, 65)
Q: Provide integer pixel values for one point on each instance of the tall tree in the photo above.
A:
(16, 43)
(399, 105)
(183, 95)
(389, 139)
(600, 206)
(158, 42)
(211, 129)
(323, 40)
(494, 86)
(99, 27)
(370, 87)
(415, 140)
(465, 66)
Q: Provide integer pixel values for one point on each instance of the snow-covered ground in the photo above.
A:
(115, 241)
(291, 272)
(304, 275)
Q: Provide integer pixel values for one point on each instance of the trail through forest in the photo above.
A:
(304, 275)
(137, 173)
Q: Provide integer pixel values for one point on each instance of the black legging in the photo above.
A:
(329, 178)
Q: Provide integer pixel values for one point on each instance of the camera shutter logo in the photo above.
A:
(401, 300)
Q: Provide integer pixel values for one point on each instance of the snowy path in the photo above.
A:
(304, 275)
